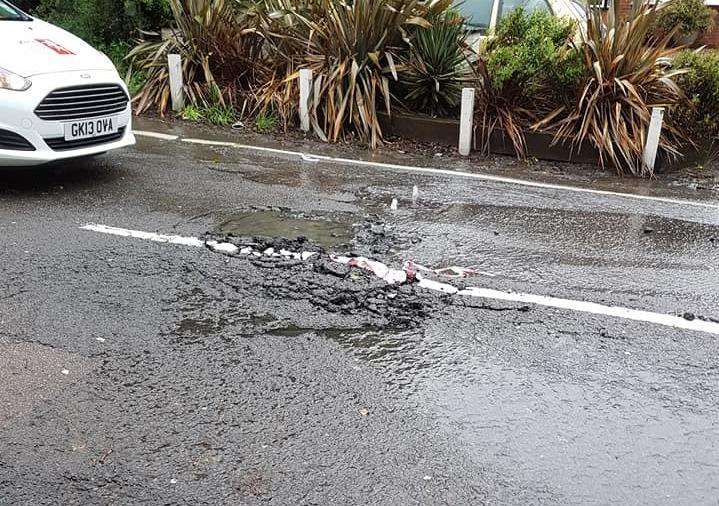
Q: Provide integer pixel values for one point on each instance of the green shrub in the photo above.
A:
(135, 82)
(27, 5)
(216, 114)
(437, 68)
(527, 70)
(191, 113)
(689, 17)
(700, 83)
(148, 14)
(105, 21)
(116, 51)
(532, 50)
(220, 115)
(266, 122)
(96, 21)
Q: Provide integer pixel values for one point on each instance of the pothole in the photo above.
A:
(323, 231)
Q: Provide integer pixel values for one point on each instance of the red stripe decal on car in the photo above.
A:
(58, 48)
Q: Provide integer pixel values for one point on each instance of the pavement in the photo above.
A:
(137, 371)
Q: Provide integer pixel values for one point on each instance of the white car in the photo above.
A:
(59, 97)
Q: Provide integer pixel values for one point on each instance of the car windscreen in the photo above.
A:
(10, 13)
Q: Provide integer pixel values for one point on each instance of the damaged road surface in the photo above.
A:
(185, 324)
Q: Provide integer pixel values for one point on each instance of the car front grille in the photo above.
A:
(82, 102)
(60, 144)
(14, 142)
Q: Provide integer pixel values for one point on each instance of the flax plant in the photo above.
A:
(629, 74)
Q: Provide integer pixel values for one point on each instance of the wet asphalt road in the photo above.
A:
(137, 372)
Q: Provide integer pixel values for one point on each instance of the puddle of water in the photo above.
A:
(399, 355)
(371, 345)
(326, 233)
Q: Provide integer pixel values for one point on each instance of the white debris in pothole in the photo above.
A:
(65, 372)
(391, 276)
(100, 339)
(231, 249)
(289, 254)
(394, 205)
(223, 247)
(410, 271)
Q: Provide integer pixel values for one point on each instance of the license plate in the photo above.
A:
(88, 128)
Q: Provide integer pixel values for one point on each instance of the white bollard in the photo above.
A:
(174, 64)
(305, 87)
(466, 120)
(653, 134)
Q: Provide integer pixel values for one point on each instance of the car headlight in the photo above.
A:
(12, 81)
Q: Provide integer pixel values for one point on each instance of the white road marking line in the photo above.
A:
(485, 293)
(594, 308)
(249, 147)
(148, 236)
(453, 173)
(156, 135)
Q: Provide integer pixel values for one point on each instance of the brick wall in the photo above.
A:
(711, 39)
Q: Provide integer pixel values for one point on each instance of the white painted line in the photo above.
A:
(453, 173)
(228, 144)
(485, 293)
(594, 308)
(156, 135)
(148, 236)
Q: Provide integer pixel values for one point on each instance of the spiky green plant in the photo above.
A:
(437, 69)
(218, 46)
(504, 109)
(351, 47)
(630, 73)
